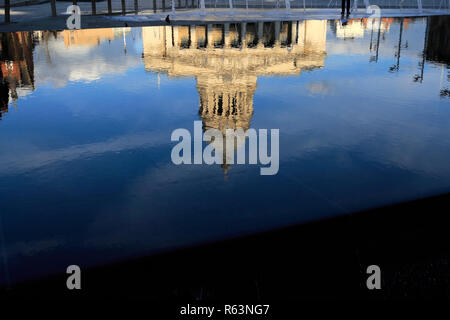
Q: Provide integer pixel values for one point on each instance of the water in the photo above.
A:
(86, 118)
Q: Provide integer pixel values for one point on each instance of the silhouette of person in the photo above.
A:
(343, 7)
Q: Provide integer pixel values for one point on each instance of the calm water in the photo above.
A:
(86, 117)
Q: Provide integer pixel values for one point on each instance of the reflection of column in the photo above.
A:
(168, 36)
(260, 34)
(293, 32)
(244, 35)
(277, 33)
(209, 35)
(193, 36)
(176, 41)
(226, 31)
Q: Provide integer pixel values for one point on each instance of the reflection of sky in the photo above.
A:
(85, 170)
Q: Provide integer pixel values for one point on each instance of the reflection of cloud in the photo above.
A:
(9, 163)
(322, 87)
(59, 64)
(31, 248)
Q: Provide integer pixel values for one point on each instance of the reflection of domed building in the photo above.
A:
(91, 37)
(227, 59)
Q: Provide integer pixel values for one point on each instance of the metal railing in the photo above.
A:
(113, 7)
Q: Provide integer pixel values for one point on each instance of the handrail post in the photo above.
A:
(7, 11)
(109, 7)
(123, 7)
(136, 6)
(53, 5)
(94, 7)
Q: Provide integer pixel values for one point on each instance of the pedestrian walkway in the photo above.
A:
(38, 17)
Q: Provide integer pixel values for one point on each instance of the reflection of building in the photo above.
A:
(91, 37)
(16, 65)
(438, 40)
(354, 28)
(227, 59)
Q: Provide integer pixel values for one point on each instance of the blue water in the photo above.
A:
(85, 170)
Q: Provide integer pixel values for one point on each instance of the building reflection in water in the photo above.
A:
(17, 67)
(227, 59)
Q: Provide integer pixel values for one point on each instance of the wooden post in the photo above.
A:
(154, 6)
(94, 8)
(7, 11)
(53, 5)
(123, 7)
(109, 7)
(136, 6)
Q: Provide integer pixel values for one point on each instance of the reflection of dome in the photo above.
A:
(227, 59)
(226, 102)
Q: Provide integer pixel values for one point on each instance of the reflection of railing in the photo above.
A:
(112, 7)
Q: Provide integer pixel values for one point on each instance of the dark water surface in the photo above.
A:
(86, 175)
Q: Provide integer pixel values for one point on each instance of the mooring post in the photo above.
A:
(94, 8)
(7, 11)
(109, 7)
(136, 6)
(53, 5)
(123, 7)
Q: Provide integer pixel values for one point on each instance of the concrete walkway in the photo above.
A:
(37, 17)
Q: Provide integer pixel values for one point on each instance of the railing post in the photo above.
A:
(123, 7)
(163, 5)
(94, 8)
(7, 11)
(109, 7)
(154, 6)
(136, 6)
(53, 5)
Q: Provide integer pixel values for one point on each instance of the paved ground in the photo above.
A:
(38, 17)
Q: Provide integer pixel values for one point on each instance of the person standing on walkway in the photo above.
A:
(343, 7)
